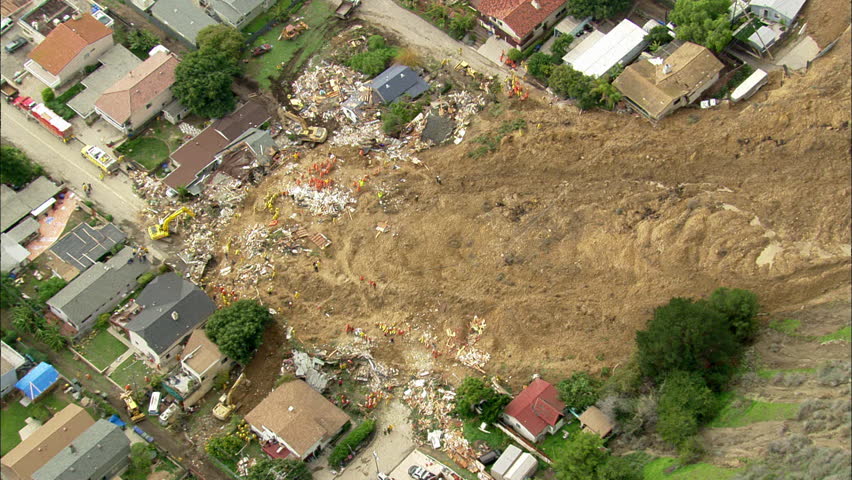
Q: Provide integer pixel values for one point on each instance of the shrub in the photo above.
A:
(579, 391)
(223, 447)
(48, 95)
(476, 399)
(515, 55)
(49, 288)
(10, 336)
(40, 413)
(399, 113)
(145, 278)
(238, 329)
(376, 42)
(560, 47)
(461, 24)
(103, 321)
(685, 403)
(350, 443)
(740, 306)
(373, 62)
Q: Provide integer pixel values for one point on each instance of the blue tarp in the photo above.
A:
(38, 380)
(115, 419)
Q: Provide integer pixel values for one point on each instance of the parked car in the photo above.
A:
(5, 25)
(420, 473)
(15, 44)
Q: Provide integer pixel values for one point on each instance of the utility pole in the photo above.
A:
(376, 458)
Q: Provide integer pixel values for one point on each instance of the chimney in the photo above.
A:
(667, 69)
(536, 5)
(71, 447)
(175, 316)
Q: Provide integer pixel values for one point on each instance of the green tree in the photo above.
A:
(685, 404)
(659, 35)
(24, 319)
(238, 329)
(461, 24)
(373, 62)
(579, 391)
(399, 113)
(51, 336)
(689, 336)
(279, 469)
(705, 22)
(618, 468)
(17, 169)
(567, 82)
(607, 93)
(49, 288)
(10, 294)
(474, 394)
(142, 40)
(515, 55)
(223, 447)
(740, 306)
(223, 38)
(203, 82)
(540, 65)
(560, 47)
(581, 458)
(599, 9)
(376, 42)
(141, 458)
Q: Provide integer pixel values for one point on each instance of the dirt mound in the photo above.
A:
(567, 237)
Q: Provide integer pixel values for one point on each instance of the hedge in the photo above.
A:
(350, 443)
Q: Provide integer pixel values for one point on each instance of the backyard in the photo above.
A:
(132, 372)
(292, 53)
(153, 147)
(101, 348)
(14, 415)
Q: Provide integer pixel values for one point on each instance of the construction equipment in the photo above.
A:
(292, 31)
(161, 230)
(224, 409)
(132, 409)
(260, 50)
(345, 8)
(306, 134)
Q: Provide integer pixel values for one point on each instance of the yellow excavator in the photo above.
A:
(306, 134)
(224, 409)
(161, 230)
(132, 409)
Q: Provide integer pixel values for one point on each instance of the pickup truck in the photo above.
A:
(148, 438)
(8, 90)
(345, 8)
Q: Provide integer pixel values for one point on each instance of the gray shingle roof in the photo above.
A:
(23, 230)
(397, 81)
(115, 64)
(183, 17)
(232, 10)
(97, 285)
(16, 205)
(84, 245)
(98, 452)
(166, 294)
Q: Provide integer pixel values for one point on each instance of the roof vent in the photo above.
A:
(71, 448)
(175, 316)
(536, 5)
(667, 69)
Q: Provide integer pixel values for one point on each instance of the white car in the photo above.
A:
(709, 103)
(5, 25)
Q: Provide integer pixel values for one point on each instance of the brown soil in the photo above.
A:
(568, 237)
(826, 19)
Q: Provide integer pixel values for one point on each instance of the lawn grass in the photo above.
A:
(131, 372)
(656, 470)
(771, 373)
(150, 152)
(788, 326)
(316, 15)
(101, 348)
(844, 334)
(554, 445)
(495, 439)
(740, 411)
(265, 17)
(13, 418)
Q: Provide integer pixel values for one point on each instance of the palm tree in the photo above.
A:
(608, 93)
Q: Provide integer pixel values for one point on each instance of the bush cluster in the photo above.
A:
(350, 443)
(375, 60)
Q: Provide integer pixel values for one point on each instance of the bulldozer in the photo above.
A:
(161, 230)
(306, 134)
(132, 409)
(224, 409)
(292, 31)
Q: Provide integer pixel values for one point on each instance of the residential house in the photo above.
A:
(779, 11)
(571, 26)
(597, 53)
(33, 452)
(97, 290)
(10, 362)
(43, 17)
(658, 86)
(396, 81)
(595, 421)
(139, 95)
(84, 245)
(294, 419)
(24, 231)
(200, 361)
(514, 464)
(38, 381)
(255, 147)
(114, 64)
(12, 255)
(519, 22)
(238, 13)
(536, 411)
(32, 201)
(171, 308)
(183, 17)
(101, 452)
(197, 158)
(68, 49)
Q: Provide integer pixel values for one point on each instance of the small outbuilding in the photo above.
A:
(38, 381)
(397, 81)
(593, 420)
(514, 464)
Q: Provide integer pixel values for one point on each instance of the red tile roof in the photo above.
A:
(66, 41)
(520, 15)
(536, 407)
(141, 85)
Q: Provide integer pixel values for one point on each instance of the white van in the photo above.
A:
(154, 406)
(5, 25)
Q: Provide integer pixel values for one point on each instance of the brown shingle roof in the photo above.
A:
(593, 419)
(197, 153)
(520, 15)
(37, 449)
(136, 89)
(66, 41)
(647, 85)
(204, 352)
(312, 418)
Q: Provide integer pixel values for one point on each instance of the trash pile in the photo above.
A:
(244, 464)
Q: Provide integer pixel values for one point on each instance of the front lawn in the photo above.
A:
(101, 348)
(131, 372)
(149, 152)
(317, 15)
(14, 415)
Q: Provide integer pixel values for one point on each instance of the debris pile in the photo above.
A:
(244, 464)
